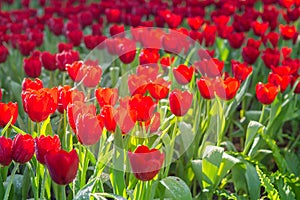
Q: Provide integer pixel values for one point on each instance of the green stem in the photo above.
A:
(6, 196)
(62, 192)
(43, 184)
(262, 114)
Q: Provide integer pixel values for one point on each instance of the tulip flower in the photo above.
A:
(287, 32)
(5, 151)
(32, 66)
(7, 112)
(107, 114)
(106, 96)
(236, 40)
(227, 89)
(143, 106)
(49, 60)
(35, 84)
(240, 70)
(180, 102)
(266, 93)
(183, 74)
(159, 88)
(145, 163)
(206, 87)
(68, 95)
(45, 144)
(22, 148)
(209, 67)
(66, 57)
(281, 81)
(62, 166)
(271, 57)
(3, 53)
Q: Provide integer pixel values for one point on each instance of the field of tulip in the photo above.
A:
(150, 99)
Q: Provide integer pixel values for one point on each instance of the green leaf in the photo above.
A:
(293, 162)
(238, 177)
(197, 168)
(108, 195)
(25, 183)
(85, 192)
(177, 188)
(46, 128)
(212, 159)
(267, 184)
(252, 129)
(253, 182)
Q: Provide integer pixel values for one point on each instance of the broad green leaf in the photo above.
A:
(197, 168)
(293, 162)
(25, 183)
(211, 161)
(252, 129)
(253, 182)
(238, 177)
(284, 190)
(46, 128)
(227, 163)
(177, 188)
(17, 185)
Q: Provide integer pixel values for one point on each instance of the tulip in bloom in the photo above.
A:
(106, 96)
(210, 67)
(227, 89)
(68, 95)
(7, 112)
(287, 32)
(66, 57)
(3, 53)
(35, 84)
(48, 60)
(240, 70)
(250, 54)
(159, 88)
(183, 74)
(271, 57)
(145, 163)
(180, 102)
(32, 66)
(206, 87)
(22, 148)
(107, 114)
(281, 81)
(266, 93)
(45, 144)
(5, 151)
(143, 106)
(62, 166)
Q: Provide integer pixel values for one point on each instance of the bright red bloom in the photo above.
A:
(8, 111)
(149, 56)
(206, 87)
(5, 151)
(236, 40)
(56, 25)
(76, 108)
(91, 75)
(36, 36)
(66, 57)
(209, 35)
(68, 95)
(166, 61)
(286, 52)
(113, 15)
(159, 88)
(281, 81)
(85, 18)
(172, 20)
(62, 166)
(149, 72)
(180, 102)
(240, 70)
(210, 67)
(143, 106)
(49, 60)
(145, 163)
(125, 120)
(91, 41)
(287, 32)
(106, 96)
(137, 84)
(126, 50)
(39, 104)
(64, 47)
(22, 148)
(183, 74)
(270, 15)
(266, 93)
(107, 114)
(45, 144)
(32, 66)
(272, 37)
(75, 37)
(227, 89)
(259, 29)
(3, 53)
(88, 128)
(74, 70)
(271, 57)
(35, 84)
(195, 22)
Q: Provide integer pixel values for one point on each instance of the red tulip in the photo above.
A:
(35, 84)
(36, 36)
(211, 68)
(26, 47)
(195, 22)
(143, 106)
(118, 30)
(287, 32)
(206, 87)
(75, 70)
(56, 25)
(240, 70)
(125, 120)
(22, 148)
(3, 53)
(180, 102)
(91, 75)
(137, 84)
(271, 57)
(113, 15)
(145, 163)
(66, 57)
(236, 40)
(152, 124)
(106, 96)
(270, 15)
(45, 144)
(62, 166)
(92, 41)
(227, 89)
(126, 50)
(76, 108)
(7, 112)
(159, 88)
(107, 114)
(39, 104)
(183, 74)
(68, 95)
(150, 73)
(49, 61)
(266, 93)
(281, 81)
(75, 37)
(5, 151)
(88, 128)
(209, 35)
(272, 37)
(259, 29)
(149, 56)
(64, 47)
(85, 18)
(32, 66)
(250, 54)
